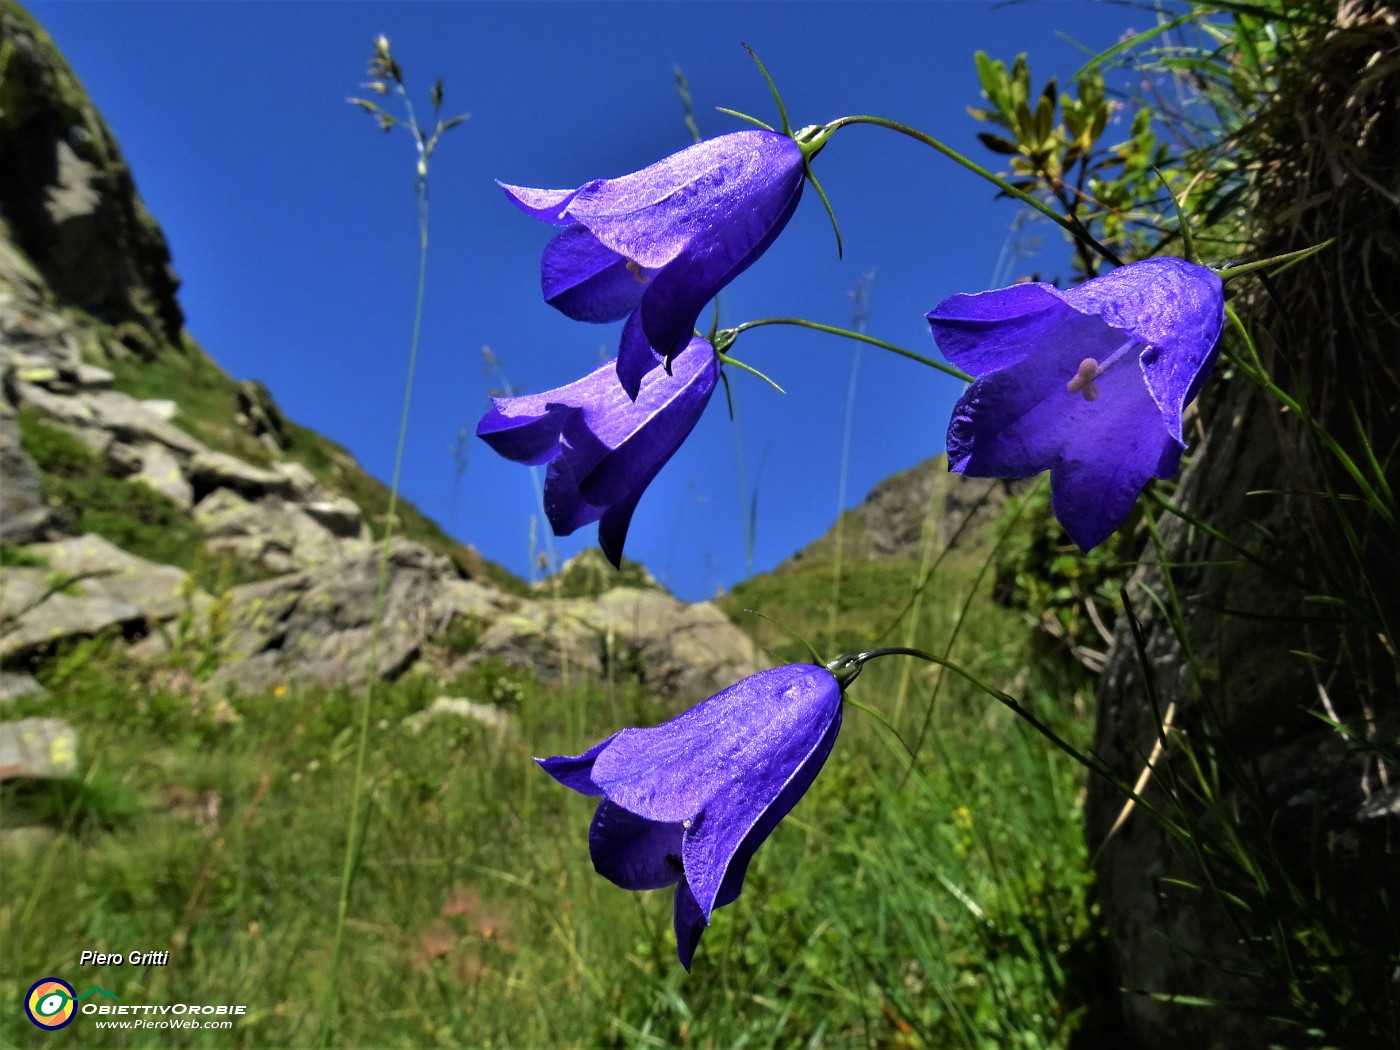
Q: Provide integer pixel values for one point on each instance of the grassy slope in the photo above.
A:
(940, 902)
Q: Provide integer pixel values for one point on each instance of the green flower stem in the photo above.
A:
(725, 359)
(859, 337)
(1072, 225)
(359, 811)
(1227, 273)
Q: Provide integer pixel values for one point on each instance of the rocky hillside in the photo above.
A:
(148, 496)
(917, 535)
(917, 508)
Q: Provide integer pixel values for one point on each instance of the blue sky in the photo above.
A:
(292, 224)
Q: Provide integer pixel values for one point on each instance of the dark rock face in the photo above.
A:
(68, 197)
(1279, 676)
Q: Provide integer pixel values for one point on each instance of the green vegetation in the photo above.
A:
(941, 903)
(589, 574)
(133, 516)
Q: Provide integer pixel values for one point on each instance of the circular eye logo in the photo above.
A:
(49, 1003)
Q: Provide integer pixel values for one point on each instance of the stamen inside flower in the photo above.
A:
(635, 269)
(1083, 381)
(1089, 370)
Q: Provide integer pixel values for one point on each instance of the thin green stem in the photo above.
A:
(1229, 273)
(1072, 225)
(359, 813)
(1004, 698)
(860, 337)
(751, 370)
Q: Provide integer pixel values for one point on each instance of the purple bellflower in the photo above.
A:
(688, 802)
(656, 245)
(1089, 383)
(603, 446)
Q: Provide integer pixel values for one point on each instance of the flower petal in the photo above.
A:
(689, 923)
(575, 772)
(635, 357)
(722, 840)
(1176, 307)
(1109, 456)
(985, 331)
(1014, 421)
(564, 505)
(617, 519)
(524, 438)
(652, 215)
(587, 282)
(680, 291)
(546, 205)
(632, 852)
(534, 428)
(643, 434)
(746, 740)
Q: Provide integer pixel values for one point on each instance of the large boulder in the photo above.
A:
(100, 569)
(217, 470)
(118, 416)
(316, 626)
(89, 586)
(1266, 613)
(280, 536)
(682, 653)
(35, 615)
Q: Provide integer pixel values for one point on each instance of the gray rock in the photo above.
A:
(315, 626)
(682, 653)
(341, 516)
(216, 470)
(160, 407)
(28, 369)
(278, 535)
(302, 485)
(70, 202)
(121, 415)
(471, 600)
(104, 570)
(160, 470)
(34, 615)
(24, 516)
(14, 686)
(38, 748)
(457, 707)
(260, 414)
(90, 377)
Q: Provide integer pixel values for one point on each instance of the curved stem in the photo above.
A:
(861, 337)
(1004, 698)
(1071, 224)
(726, 359)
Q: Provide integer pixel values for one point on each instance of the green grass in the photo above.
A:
(128, 513)
(939, 904)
